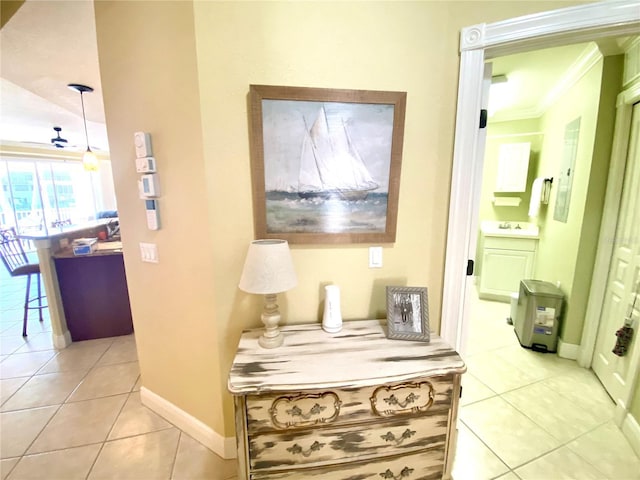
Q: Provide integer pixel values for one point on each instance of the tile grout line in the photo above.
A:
(24, 454)
(175, 456)
(93, 464)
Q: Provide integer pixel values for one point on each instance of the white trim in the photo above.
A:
(568, 350)
(581, 23)
(612, 199)
(619, 413)
(512, 135)
(461, 213)
(61, 341)
(631, 430)
(225, 447)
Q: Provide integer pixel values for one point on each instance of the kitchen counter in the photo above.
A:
(102, 248)
(94, 292)
(49, 243)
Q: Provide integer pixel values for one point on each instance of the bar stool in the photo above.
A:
(17, 262)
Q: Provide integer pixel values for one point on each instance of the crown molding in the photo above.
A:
(585, 62)
(589, 57)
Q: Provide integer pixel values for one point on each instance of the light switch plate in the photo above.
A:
(149, 252)
(375, 257)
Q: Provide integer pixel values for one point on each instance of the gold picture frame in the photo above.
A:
(325, 163)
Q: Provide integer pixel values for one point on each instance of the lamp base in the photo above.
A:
(271, 342)
(272, 336)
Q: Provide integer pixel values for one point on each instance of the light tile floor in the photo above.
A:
(533, 416)
(76, 413)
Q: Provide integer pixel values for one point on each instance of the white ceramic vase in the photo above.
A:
(332, 318)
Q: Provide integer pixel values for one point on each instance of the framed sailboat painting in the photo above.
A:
(326, 163)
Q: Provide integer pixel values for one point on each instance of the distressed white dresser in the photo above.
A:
(348, 405)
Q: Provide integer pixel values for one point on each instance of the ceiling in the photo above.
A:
(43, 47)
(46, 45)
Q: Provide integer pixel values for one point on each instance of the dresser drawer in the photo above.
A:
(323, 445)
(345, 406)
(424, 465)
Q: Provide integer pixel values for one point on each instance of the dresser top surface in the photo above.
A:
(357, 356)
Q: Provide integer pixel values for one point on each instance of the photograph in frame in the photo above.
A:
(326, 163)
(408, 313)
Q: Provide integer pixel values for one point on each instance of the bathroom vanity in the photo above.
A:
(351, 404)
(508, 256)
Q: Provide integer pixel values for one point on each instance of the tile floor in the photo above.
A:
(533, 416)
(76, 413)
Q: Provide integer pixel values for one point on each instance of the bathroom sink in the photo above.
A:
(509, 229)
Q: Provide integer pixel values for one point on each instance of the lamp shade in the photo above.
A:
(90, 161)
(268, 268)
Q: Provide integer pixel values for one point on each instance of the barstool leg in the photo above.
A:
(39, 296)
(26, 307)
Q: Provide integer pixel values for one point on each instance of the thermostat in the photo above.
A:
(146, 165)
(153, 216)
(149, 186)
(142, 141)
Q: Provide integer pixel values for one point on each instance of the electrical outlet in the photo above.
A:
(149, 252)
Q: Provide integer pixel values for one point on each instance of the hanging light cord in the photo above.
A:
(84, 118)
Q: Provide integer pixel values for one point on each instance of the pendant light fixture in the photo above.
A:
(89, 159)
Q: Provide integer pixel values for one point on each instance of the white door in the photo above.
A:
(477, 188)
(617, 373)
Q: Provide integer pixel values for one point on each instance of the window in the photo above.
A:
(39, 194)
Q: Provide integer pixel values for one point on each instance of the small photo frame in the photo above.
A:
(408, 313)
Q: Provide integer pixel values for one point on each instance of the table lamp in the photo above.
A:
(268, 270)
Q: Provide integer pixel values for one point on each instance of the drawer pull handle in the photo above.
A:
(404, 473)
(406, 398)
(390, 437)
(296, 449)
(315, 410)
(304, 410)
(393, 400)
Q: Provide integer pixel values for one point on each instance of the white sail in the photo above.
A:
(330, 163)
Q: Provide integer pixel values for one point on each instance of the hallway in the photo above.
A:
(76, 413)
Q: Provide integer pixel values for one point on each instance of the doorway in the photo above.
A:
(479, 43)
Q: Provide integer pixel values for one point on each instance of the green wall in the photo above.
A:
(566, 251)
(516, 131)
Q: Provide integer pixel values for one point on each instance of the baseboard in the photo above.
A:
(631, 430)
(568, 350)
(61, 341)
(222, 446)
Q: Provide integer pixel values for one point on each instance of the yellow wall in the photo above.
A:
(149, 79)
(182, 71)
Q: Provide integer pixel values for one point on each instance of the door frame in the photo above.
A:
(479, 43)
(620, 149)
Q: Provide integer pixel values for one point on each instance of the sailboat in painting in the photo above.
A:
(330, 165)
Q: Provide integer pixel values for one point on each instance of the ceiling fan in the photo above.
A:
(58, 141)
